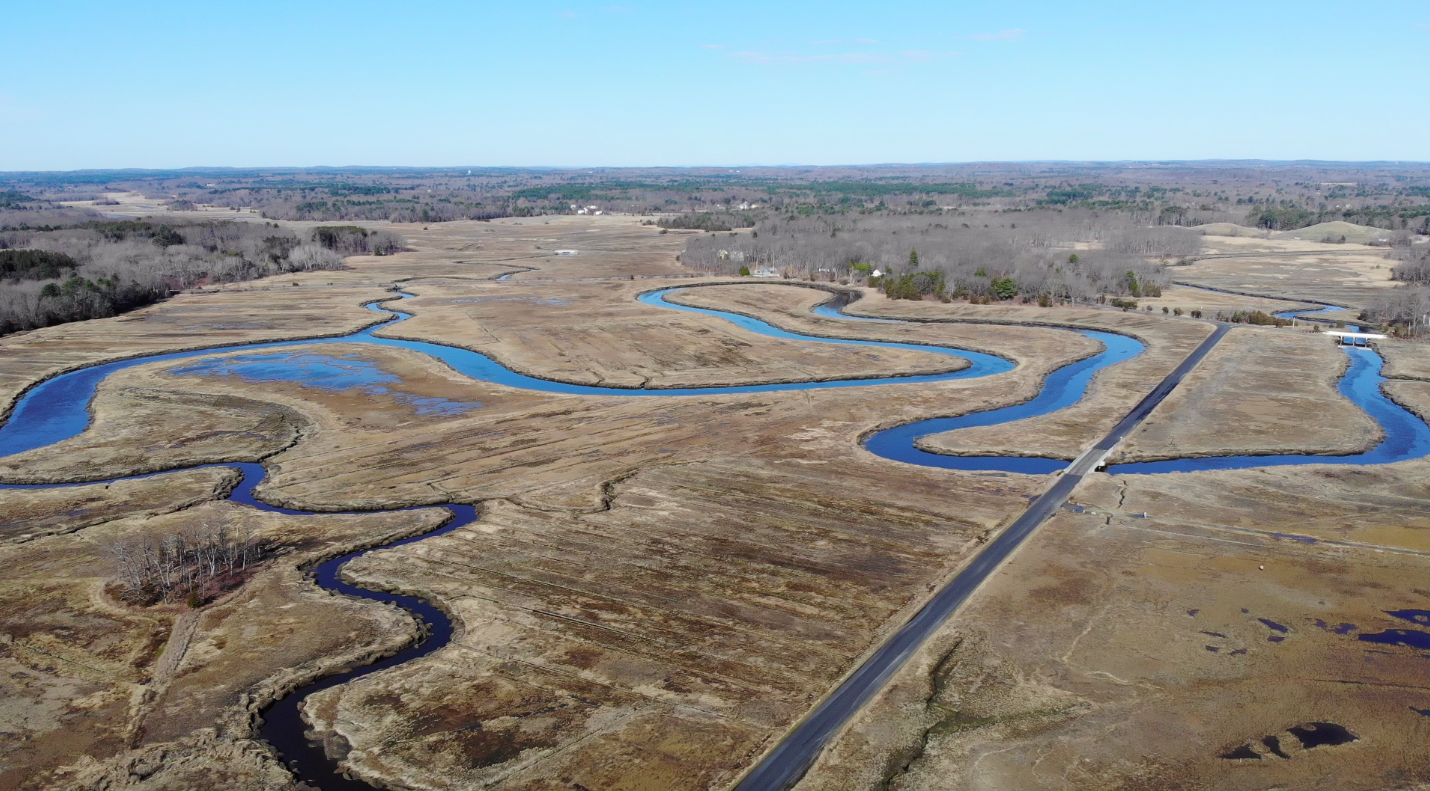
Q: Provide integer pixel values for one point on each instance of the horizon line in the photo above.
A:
(787, 166)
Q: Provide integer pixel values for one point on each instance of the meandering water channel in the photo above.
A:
(58, 409)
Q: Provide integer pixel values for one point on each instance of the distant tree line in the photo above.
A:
(707, 221)
(10, 199)
(916, 257)
(1412, 219)
(1280, 197)
(1281, 218)
(97, 268)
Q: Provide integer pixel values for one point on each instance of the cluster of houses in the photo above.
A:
(743, 206)
(586, 209)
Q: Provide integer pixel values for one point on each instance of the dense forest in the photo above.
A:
(91, 268)
(1072, 256)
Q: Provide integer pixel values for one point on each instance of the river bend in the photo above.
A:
(58, 409)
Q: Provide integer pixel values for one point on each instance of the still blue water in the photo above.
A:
(1298, 313)
(283, 725)
(981, 364)
(1302, 314)
(1062, 388)
(325, 372)
(57, 409)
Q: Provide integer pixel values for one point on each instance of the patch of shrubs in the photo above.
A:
(1258, 317)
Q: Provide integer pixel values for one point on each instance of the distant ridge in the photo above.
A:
(1334, 231)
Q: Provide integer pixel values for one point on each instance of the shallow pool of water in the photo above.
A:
(324, 372)
(58, 408)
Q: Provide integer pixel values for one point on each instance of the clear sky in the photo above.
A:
(155, 84)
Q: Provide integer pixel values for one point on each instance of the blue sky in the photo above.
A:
(150, 84)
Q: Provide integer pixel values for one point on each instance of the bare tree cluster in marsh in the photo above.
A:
(1059, 256)
(1414, 266)
(190, 565)
(97, 268)
(1404, 310)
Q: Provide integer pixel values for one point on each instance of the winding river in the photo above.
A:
(1406, 436)
(58, 409)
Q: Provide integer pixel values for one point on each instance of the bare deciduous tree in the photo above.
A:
(120, 265)
(191, 564)
(1065, 256)
(1407, 308)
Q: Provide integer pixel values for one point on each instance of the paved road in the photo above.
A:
(786, 764)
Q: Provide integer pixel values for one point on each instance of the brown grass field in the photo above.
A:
(659, 586)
